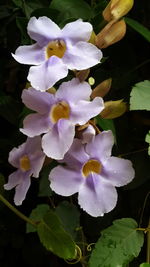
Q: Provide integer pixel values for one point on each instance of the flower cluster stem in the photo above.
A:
(17, 212)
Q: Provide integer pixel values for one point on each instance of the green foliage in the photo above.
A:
(44, 187)
(22, 25)
(37, 215)
(140, 96)
(9, 109)
(147, 139)
(69, 215)
(54, 238)
(118, 244)
(106, 124)
(72, 9)
(139, 28)
(145, 265)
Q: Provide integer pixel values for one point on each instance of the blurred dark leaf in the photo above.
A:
(9, 109)
(139, 28)
(22, 25)
(70, 217)
(36, 215)
(54, 238)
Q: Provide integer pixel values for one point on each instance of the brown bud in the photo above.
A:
(117, 9)
(51, 90)
(82, 75)
(113, 109)
(92, 38)
(102, 89)
(112, 33)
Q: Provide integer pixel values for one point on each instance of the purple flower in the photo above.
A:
(56, 50)
(93, 173)
(58, 114)
(29, 159)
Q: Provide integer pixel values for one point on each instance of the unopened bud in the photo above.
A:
(112, 33)
(113, 109)
(92, 38)
(91, 81)
(51, 90)
(117, 9)
(102, 89)
(82, 75)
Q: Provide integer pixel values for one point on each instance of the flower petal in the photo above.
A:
(38, 101)
(101, 146)
(82, 56)
(73, 91)
(47, 74)
(85, 110)
(13, 180)
(15, 154)
(96, 196)
(29, 54)
(43, 30)
(76, 156)
(88, 134)
(119, 171)
(59, 139)
(22, 188)
(37, 161)
(77, 31)
(65, 182)
(35, 124)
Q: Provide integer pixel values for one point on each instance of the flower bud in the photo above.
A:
(82, 75)
(92, 38)
(112, 33)
(51, 90)
(117, 9)
(102, 89)
(113, 109)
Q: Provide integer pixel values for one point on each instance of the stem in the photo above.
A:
(148, 244)
(17, 212)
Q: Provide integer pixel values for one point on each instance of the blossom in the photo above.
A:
(91, 171)
(58, 114)
(56, 50)
(28, 158)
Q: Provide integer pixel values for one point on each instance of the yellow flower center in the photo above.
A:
(25, 163)
(91, 166)
(60, 111)
(56, 48)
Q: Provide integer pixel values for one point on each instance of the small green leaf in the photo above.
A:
(145, 265)
(54, 238)
(37, 215)
(69, 215)
(106, 124)
(139, 28)
(72, 9)
(147, 140)
(118, 244)
(140, 96)
(44, 187)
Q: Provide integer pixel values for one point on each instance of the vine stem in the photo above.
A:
(17, 212)
(148, 244)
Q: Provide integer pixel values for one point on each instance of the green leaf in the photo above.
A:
(145, 265)
(36, 215)
(48, 12)
(147, 140)
(69, 215)
(22, 25)
(72, 9)
(118, 244)
(44, 187)
(106, 124)
(140, 96)
(54, 238)
(139, 28)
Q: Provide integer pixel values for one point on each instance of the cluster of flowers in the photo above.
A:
(88, 167)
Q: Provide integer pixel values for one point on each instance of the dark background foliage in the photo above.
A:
(127, 62)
